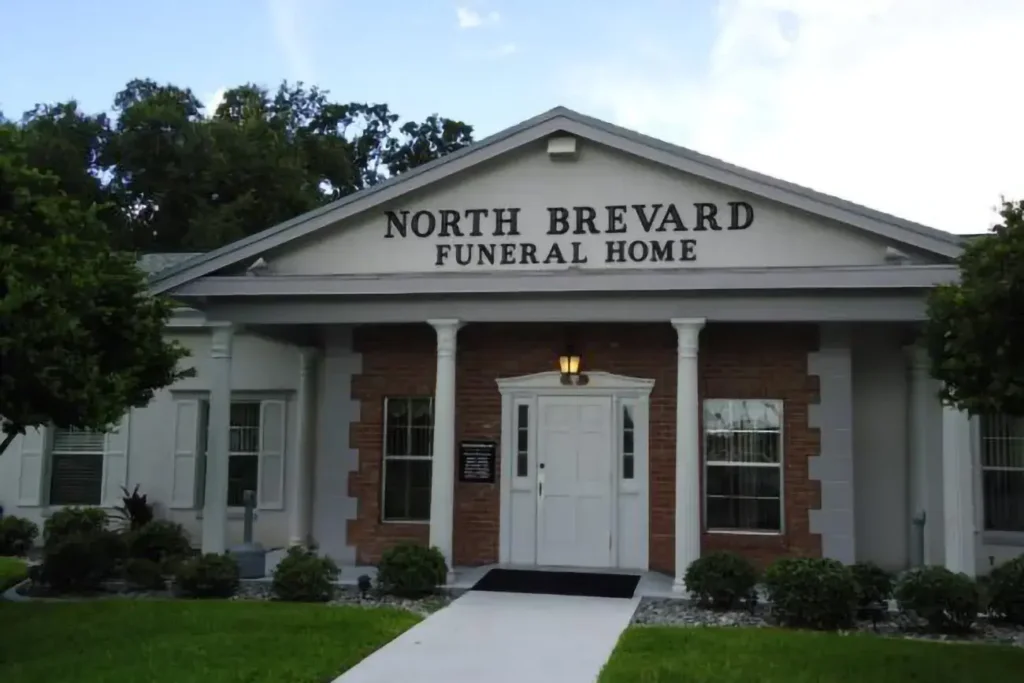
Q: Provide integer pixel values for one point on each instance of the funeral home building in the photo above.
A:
(567, 345)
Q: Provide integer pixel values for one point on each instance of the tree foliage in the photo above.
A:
(975, 328)
(171, 176)
(81, 341)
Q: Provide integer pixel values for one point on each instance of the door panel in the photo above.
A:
(574, 502)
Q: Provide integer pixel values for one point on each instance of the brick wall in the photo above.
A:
(736, 361)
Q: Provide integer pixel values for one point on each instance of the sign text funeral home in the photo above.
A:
(637, 233)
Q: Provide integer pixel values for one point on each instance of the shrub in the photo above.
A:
(411, 571)
(17, 535)
(304, 576)
(721, 580)
(144, 574)
(80, 562)
(874, 584)
(947, 601)
(135, 510)
(159, 541)
(1006, 591)
(208, 576)
(813, 593)
(72, 521)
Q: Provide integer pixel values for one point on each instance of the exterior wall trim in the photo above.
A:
(883, 277)
(619, 388)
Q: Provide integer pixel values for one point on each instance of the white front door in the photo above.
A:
(574, 500)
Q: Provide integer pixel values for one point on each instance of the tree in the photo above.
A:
(81, 341)
(975, 328)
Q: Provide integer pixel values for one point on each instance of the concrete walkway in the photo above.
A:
(503, 637)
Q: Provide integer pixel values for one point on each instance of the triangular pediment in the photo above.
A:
(563, 191)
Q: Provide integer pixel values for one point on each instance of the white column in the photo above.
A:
(215, 501)
(958, 491)
(442, 482)
(300, 490)
(688, 506)
(920, 440)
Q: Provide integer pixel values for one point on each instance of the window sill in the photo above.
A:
(419, 522)
(1011, 538)
(742, 532)
(234, 514)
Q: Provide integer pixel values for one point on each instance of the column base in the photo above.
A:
(679, 586)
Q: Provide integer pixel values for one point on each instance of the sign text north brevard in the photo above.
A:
(633, 221)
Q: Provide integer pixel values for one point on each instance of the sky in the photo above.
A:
(912, 107)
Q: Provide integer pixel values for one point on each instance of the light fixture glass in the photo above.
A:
(569, 364)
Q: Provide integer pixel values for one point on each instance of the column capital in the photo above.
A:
(221, 335)
(447, 329)
(307, 357)
(688, 330)
(917, 358)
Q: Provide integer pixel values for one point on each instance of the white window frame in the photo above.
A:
(54, 451)
(385, 457)
(780, 465)
(1017, 534)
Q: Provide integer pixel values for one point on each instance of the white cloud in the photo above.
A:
(908, 106)
(469, 18)
(212, 101)
(286, 20)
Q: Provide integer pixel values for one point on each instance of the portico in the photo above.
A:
(731, 328)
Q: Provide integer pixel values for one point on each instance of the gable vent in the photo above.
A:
(563, 147)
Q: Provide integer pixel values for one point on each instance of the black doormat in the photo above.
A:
(558, 583)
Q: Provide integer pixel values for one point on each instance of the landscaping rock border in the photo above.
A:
(683, 613)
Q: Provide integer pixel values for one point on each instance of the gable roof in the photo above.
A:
(563, 120)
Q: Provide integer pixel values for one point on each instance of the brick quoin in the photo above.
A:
(736, 361)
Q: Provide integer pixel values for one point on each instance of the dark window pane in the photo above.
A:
(627, 417)
(421, 412)
(627, 467)
(759, 482)
(627, 442)
(243, 474)
(1003, 500)
(523, 417)
(522, 464)
(407, 490)
(748, 514)
(523, 441)
(76, 479)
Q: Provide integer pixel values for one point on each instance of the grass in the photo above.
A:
(12, 571)
(126, 641)
(706, 655)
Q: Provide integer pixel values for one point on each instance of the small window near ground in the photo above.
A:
(743, 465)
(408, 447)
(1002, 472)
(76, 467)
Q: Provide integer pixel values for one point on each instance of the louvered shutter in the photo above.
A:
(186, 477)
(32, 472)
(270, 494)
(115, 461)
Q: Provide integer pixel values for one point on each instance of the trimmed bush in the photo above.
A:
(815, 593)
(1006, 591)
(874, 584)
(73, 521)
(207, 576)
(80, 562)
(160, 541)
(947, 601)
(17, 535)
(143, 574)
(411, 571)
(304, 576)
(722, 580)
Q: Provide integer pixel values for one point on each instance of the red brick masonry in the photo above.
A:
(736, 361)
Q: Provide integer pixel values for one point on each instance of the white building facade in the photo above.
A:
(566, 345)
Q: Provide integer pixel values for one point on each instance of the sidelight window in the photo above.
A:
(1002, 472)
(522, 431)
(408, 449)
(628, 440)
(743, 465)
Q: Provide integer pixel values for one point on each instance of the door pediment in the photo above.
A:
(598, 382)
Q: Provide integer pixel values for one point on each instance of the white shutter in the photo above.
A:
(33, 467)
(270, 494)
(115, 462)
(186, 477)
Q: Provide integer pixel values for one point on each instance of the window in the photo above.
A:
(243, 451)
(408, 447)
(1002, 472)
(76, 467)
(743, 465)
(522, 440)
(628, 438)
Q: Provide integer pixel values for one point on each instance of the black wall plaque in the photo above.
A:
(477, 461)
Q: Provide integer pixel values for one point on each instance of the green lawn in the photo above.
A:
(711, 655)
(12, 571)
(130, 641)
